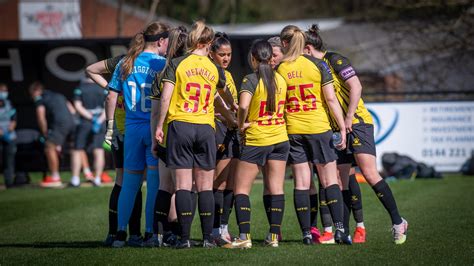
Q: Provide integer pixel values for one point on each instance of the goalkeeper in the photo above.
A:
(96, 72)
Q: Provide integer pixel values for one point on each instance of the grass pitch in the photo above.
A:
(67, 226)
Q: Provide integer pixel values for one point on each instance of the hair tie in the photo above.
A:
(156, 37)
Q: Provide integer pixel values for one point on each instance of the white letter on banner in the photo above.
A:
(14, 61)
(54, 68)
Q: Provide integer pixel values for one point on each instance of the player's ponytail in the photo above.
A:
(176, 46)
(313, 38)
(296, 40)
(261, 51)
(176, 43)
(200, 34)
(152, 33)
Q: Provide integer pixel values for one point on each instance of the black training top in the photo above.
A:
(57, 113)
(91, 95)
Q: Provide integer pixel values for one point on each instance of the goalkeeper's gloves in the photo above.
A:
(110, 132)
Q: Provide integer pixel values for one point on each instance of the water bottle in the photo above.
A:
(96, 125)
(9, 136)
(336, 139)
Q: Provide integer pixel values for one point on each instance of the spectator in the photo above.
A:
(7, 135)
(55, 122)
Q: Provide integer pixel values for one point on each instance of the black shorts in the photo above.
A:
(315, 148)
(361, 139)
(59, 134)
(345, 157)
(227, 142)
(117, 150)
(190, 145)
(261, 154)
(161, 152)
(85, 136)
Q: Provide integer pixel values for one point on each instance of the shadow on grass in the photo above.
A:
(80, 244)
(97, 244)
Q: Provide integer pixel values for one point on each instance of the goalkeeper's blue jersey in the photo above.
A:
(136, 87)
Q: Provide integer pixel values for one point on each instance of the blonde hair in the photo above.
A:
(137, 45)
(200, 34)
(296, 41)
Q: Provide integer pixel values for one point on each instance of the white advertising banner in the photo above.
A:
(40, 20)
(436, 133)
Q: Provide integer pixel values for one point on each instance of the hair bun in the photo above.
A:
(314, 29)
(182, 29)
(221, 35)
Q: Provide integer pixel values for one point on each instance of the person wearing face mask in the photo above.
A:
(7, 135)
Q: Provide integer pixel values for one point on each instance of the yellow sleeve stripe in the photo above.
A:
(246, 91)
(170, 81)
(324, 84)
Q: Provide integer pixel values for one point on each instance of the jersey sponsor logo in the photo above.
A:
(347, 72)
(326, 67)
(339, 62)
(383, 130)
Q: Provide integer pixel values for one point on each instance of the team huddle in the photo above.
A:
(176, 118)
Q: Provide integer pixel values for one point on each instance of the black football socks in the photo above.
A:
(206, 213)
(227, 208)
(184, 209)
(314, 204)
(277, 208)
(384, 193)
(218, 207)
(356, 199)
(336, 205)
(346, 198)
(113, 203)
(162, 207)
(266, 204)
(303, 209)
(242, 209)
(326, 219)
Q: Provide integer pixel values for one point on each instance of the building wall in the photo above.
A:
(9, 29)
(99, 20)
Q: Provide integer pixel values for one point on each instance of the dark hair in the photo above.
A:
(220, 39)
(36, 85)
(138, 44)
(261, 51)
(314, 38)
